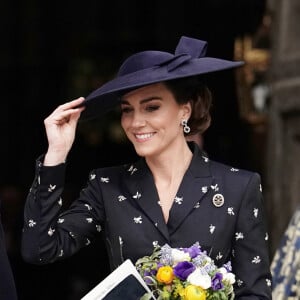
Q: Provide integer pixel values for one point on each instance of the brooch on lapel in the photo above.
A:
(218, 200)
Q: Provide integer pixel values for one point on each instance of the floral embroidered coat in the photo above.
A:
(123, 202)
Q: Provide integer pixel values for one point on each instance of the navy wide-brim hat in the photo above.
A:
(149, 67)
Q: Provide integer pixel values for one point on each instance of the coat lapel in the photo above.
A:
(143, 193)
(196, 185)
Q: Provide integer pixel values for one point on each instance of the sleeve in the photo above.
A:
(51, 233)
(250, 247)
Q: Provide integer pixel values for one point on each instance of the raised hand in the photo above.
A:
(60, 129)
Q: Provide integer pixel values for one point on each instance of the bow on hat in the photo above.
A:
(187, 49)
(148, 67)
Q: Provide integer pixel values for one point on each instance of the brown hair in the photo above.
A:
(192, 89)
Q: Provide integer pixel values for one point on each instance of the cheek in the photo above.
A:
(172, 119)
(124, 123)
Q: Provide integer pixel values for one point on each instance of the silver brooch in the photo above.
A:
(218, 200)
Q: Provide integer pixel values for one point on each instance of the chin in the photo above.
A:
(143, 151)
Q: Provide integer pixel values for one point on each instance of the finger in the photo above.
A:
(76, 115)
(72, 104)
(67, 116)
(62, 113)
(69, 105)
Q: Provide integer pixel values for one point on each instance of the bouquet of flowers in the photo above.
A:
(185, 274)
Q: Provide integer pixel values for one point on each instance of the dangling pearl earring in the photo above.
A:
(186, 128)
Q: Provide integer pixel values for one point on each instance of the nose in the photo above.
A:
(138, 120)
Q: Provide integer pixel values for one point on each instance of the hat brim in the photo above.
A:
(107, 96)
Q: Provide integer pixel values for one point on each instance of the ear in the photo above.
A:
(186, 110)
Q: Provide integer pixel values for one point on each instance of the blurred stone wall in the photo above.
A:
(283, 152)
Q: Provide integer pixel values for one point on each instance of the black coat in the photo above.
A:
(123, 201)
(7, 284)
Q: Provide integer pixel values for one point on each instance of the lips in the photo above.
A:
(143, 136)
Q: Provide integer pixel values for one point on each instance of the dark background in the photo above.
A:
(55, 51)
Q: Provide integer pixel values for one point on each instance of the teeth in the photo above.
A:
(144, 136)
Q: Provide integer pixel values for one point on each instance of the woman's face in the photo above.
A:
(151, 119)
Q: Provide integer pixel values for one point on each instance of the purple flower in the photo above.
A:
(183, 269)
(148, 275)
(148, 281)
(216, 282)
(193, 251)
(228, 266)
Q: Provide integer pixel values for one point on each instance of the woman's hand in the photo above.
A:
(60, 129)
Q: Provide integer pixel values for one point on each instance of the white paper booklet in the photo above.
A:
(124, 283)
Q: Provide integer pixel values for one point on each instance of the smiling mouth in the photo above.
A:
(144, 136)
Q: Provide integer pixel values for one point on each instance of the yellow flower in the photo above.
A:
(193, 292)
(165, 274)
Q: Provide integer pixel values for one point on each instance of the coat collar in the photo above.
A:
(195, 185)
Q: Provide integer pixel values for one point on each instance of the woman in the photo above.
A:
(174, 194)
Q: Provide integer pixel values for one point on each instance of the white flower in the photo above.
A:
(198, 279)
(197, 205)
(269, 282)
(208, 261)
(212, 228)
(104, 179)
(205, 158)
(215, 187)
(179, 256)
(239, 236)
(51, 187)
(204, 189)
(256, 260)
(31, 223)
(219, 256)
(121, 198)
(138, 220)
(132, 169)
(51, 231)
(227, 276)
(222, 270)
(137, 195)
(178, 200)
(240, 282)
(230, 211)
(266, 236)
(89, 207)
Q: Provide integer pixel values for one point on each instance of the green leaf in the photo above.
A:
(146, 296)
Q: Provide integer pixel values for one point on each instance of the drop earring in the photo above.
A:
(186, 127)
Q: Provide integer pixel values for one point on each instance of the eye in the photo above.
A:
(126, 109)
(152, 107)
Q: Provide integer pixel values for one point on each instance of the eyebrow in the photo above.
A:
(123, 101)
